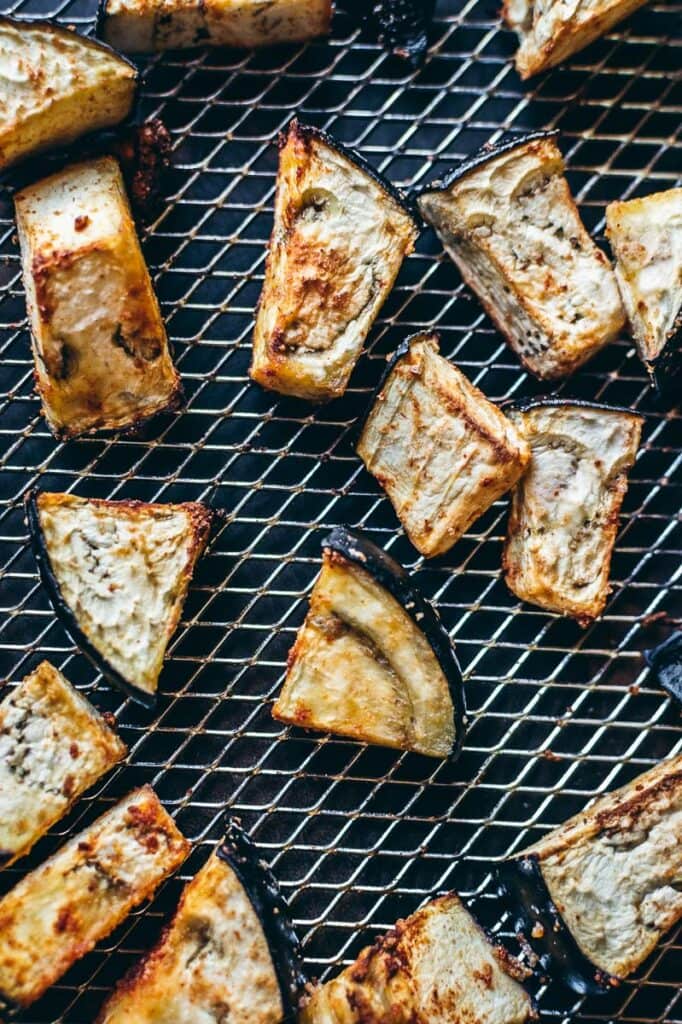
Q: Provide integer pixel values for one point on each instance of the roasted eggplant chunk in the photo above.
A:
(595, 895)
(117, 573)
(564, 513)
(401, 25)
(508, 220)
(339, 239)
(56, 86)
(646, 240)
(666, 662)
(53, 746)
(372, 659)
(442, 452)
(437, 966)
(57, 913)
(140, 26)
(100, 347)
(551, 31)
(229, 953)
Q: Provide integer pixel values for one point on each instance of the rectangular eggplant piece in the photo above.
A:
(142, 26)
(57, 913)
(646, 241)
(53, 746)
(552, 31)
(102, 360)
(597, 894)
(508, 220)
(442, 452)
(117, 573)
(372, 660)
(437, 966)
(564, 512)
(56, 86)
(339, 239)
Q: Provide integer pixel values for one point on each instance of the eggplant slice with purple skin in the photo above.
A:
(666, 661)
(372, 661)
(402, 26)
(594, 897)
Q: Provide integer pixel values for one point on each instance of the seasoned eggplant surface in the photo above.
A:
(646, 239)
(57, 913)
(442, 452)
(564, 514)
(117, 573)
(53, 746)
(508, 220)
(339, 238)
(141, 26)
(437, 966)
(372, 660)
(100, 347)
(56, 86)
(612, 878)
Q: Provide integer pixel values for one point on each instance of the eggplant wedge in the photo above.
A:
(57, 913)
(442, 452)
(143, 26)
(101, 353)
(117, 573)
(229, 953)
(339, 239)
(56, 86)
(595, 895)
(551, 32)
(666, 662)
(437, 965)
(564, 512)
(646, 241)
(53, 746)
(372, 660)
(402, 26)
(508, 220)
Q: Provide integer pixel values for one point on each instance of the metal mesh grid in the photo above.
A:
(358, 836)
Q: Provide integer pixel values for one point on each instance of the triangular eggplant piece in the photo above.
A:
(55, 86)
(230, 951)
(340, 235)
(372, 660)
(117, 573)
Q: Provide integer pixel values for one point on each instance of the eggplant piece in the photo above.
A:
(229, 953)
(402, 26)
(666, 661)
(143, 26)
(340, 235)
(55, 86)
(117, 573)
(442, 452)
(646, 240)
(372, 660)
(53, 746)
(57, 913)
(508, 220)
(100, 347)
(551, 32)
(437, 965)
(564, 511)
(595, 895)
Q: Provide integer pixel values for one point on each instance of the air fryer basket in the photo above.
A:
(359, 836)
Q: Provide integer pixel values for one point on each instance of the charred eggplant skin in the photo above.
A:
(240, 853)
(556, 401)
(534, 913)
(354, 546)
(402, 26)
(666, 661)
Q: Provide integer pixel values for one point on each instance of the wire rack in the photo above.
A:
(359, 836)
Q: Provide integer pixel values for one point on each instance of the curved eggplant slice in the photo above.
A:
(437, 965)
(339, 238)
(646, 240)
(117, 573)
(230, 951)
(666, 661)
(595, 895)
(55, 86)
(372, 660)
